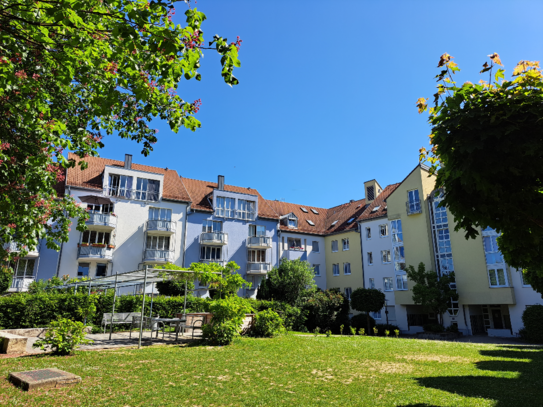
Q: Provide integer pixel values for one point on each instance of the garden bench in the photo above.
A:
(119, 318)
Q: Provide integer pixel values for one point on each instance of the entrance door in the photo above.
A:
(497, 319)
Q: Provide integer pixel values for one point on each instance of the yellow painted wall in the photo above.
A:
(356, 278)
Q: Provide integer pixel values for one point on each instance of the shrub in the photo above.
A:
(6, 276)
(435, 328)
(381, 328)
(452, 328)
(359, 322)
(267, 324)
(228, 314)
(327, 310)
(220, 333)
(63, 337)
(532, 317)
(173, 288)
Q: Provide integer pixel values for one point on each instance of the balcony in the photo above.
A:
(258, 268)
(259, 242)
(158, 256)
(14, 247)
(161, 227)
(103, 221)
(214, 238)
(134, 194)
(20, 284)
(91, 252)
(413, 207)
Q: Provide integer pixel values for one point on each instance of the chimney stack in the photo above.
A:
(220, 183)
(128, 161)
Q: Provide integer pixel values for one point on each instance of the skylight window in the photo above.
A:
(310, 222)
(334, 222)
(303, 209)
(314, 211)
(376, 208)
(350, 220)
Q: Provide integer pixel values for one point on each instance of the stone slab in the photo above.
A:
(35, 379)
(12, 343)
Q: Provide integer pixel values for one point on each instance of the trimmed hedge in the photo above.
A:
(532, 317)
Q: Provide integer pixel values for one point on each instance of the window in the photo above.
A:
(225, 207)
(348, 292)
(397, 234)
(295, 244)
(334, 246)
(347, 268)
(399, 258)
(83, 269)
(315, 246)
(314, 211)
(101, 270)
(334, 223)
(120, 185)
(106, 208)
(246, 209)
(376, 208)
(303, 209)
(317, 269)
(256, 256)
(372, 283)
(388, 283)
(523, 280)
(160, 214)
(370, 258)
(345, 244)
(292, 221)
(257, 230)
(385, 256)
(210, 253)
(211, 226)
(376, 315)
(310, 222)
(401, 282)
(147, 189)
(335, 269)
(368, 233)
(413, 203)
(497, 277)
(95, 237)
(350, 220)
(24, 268)
(370, 193)
(383, 230)
(158, 242)
(492, 253)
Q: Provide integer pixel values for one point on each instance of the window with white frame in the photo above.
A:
(83, 269)
(295, 244)
(388, 283)
(383, 230)
(399, 258)
(376, 315)
(497, 277)
(106, 208)
(95, 237)
(523, 279)
(492, 253)
(345, 244)
(317, 269)
(397, 233)
(209, 226)
(368, 233)
(257, 230)
(401, 282)
(246, 209)
(160, 214)
(370, 258)
(335, 269)
(334, 246)
(292, 221)
(347, 268)
(158, 243)
(120, 185)
(256, 256)
(315, 245)
(225, 207)
(413, 204)
(147, 189)
(442, 236)
(385, 256)
(210, 253)
(372, 283)
(24, 268)
(348, 292)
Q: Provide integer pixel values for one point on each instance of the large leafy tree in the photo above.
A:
(487, 148)
(74, 71)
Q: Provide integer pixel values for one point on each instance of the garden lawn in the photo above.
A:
(294, 371)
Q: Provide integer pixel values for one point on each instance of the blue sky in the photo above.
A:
(327, 90)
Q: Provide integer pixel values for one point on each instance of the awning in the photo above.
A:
(95, 199)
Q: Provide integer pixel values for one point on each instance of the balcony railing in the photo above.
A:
(132, 194)
(214, 238)
(261, 242)
(166, 226)
(258, 268)
(246, 215)
(232, 213)
(208, 261)
(90, 252)
(413, 207)
(102, 219)
(159, 256)
(14, 247)
(21, 283)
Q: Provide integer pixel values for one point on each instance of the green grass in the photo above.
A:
(293, 371)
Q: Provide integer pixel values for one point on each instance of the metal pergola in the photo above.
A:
(127, 279)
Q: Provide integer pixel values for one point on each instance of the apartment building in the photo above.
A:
(229, 223)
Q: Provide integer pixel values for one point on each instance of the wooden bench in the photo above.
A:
(119, 318)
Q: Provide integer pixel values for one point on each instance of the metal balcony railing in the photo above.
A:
(158, 255)
(14, 247)
(102, 219)
(21, 283)
(90, 252)
(161, 226)
(132, 194)
(413, 207)
(233, 213)
(214, 238)
(258, 268)
(259, 241)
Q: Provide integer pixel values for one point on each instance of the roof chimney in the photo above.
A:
(220, 183)
(128, 161)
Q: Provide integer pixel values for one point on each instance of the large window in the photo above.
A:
(399, 258)
(385, 256)
(497, 277)
(335, 269)
(413, 202)
(147, 189)
(347, 268)
(334, 246)
(120, 185)
(256, 256)
(210, 253)
(397, 233)
(95, 237)
(257, 230)
(225, 207)
(492, 253)
(160, 214)
(442, 236)
(24, 268)
(83, 269)
(401, 282)
(383, 230)
(246, 209)
(158, 242)
(345, 244)
(388, 283)
(317, 269)
(295, 244)
(315, 246)
(211, 226)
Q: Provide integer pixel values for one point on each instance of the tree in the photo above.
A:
(6, 276)
(325, 309)
(174, 288)
(487, 143)
(72, 72)
(431, 291)
(287, 282)
(367, 300)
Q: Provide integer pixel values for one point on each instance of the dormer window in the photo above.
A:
(147, 189)
(246, 209)
(225, 207)
(120, 185)
(291, 221)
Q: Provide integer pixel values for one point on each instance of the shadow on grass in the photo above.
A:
(526, 389)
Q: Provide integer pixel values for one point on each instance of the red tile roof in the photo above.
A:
(91, 177)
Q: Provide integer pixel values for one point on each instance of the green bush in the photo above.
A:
(293, 318)
(6, 275)
(228, 315)
(267, 324)
(63, 337)
(532, 318)
(174, 288)
(326, 310)
(220, 333)
(359, 321)
(434, 328)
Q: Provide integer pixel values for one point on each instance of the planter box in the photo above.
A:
(440, 336)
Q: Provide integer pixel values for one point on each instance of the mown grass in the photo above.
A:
(293, 370)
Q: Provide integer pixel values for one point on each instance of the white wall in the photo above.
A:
(524, 295)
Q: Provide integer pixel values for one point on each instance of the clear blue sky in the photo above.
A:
(327, 90)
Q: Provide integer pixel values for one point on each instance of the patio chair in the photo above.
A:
(148, 324)
(196, 322)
